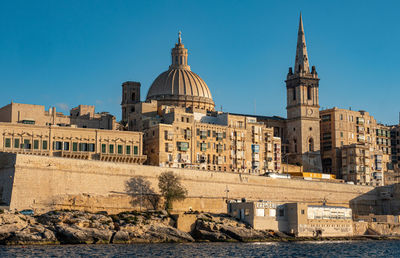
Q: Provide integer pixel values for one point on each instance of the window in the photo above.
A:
(119, 149)
(135, 150)
(91, 147)
(27, 144)
(83, 147)
(128, 150)
(44, 145)
(183, 146)
(103, 148)
(57, 146)
(255, 148)
(326, 118)
(66, 146)
(111, 148)
(281, 212)
(16, 143)
(302, 212)
(8, 143)
(309, 92)
(294, 93)
(74, 146)
(133, 96)
(311, 144)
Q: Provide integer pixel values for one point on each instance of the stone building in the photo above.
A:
(362, 165)
(77, 143)
(84, 134)
(83, 116)
(182, 129)
(225, 143)
(355, 147)
(395, 145)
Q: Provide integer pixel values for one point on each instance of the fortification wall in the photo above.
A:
(54, 183)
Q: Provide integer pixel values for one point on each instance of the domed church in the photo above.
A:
(179, 86)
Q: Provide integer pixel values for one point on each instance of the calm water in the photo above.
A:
(299, 249)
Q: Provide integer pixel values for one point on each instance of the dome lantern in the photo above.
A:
(179, 55)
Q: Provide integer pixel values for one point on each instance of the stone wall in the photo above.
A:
(45, 183)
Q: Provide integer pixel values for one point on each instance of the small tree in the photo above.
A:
(171, 188)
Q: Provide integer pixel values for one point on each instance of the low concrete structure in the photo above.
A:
(300, 219)
(259, 215)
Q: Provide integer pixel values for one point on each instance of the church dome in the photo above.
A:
(179, 86)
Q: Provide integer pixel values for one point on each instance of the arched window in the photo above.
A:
(294, 93)
(295, 145)
(311, 144)
(309, 92)
(133, 96)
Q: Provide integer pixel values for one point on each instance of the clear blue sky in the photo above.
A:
(65, 53)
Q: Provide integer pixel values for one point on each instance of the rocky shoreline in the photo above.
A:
(77, 227)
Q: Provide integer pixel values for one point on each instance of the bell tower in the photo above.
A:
(303, 128)
(130, 96)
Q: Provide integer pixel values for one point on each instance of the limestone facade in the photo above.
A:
(177, 137)
(83, 116)
(48, 183)
(395, 152)
(355, 147)
(77, 143)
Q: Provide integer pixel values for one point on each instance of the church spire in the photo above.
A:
(301, 64)
(179, 55)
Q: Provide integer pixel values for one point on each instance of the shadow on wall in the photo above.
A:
(383, 200)
(143, 195)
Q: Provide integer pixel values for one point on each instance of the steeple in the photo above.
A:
(301, 64)
(179, 55)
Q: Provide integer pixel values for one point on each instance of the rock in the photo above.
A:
(204, 235)
(77, 235)
(120, 237)
(223, 228)
(170, 234)
(21, 229)
(242, 234)
(32, 235)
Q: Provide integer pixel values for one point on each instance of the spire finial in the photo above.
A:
(301, 63)
(179, 37)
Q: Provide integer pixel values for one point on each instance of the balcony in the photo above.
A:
(134, 159)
